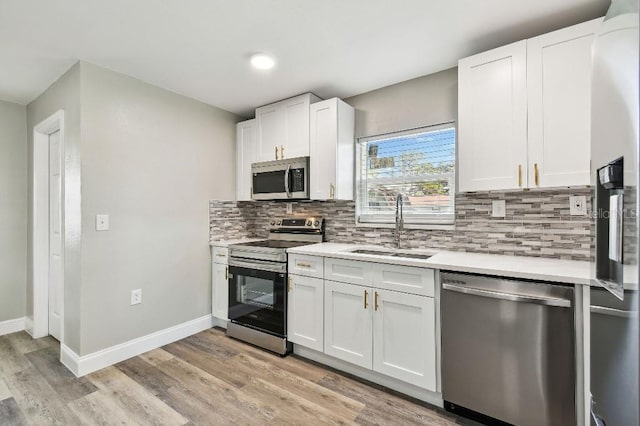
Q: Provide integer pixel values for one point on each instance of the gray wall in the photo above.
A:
(152, 160)
(63, 94)
(428, 100)
(13, 211)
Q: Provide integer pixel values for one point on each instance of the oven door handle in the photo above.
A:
(286, 181)
(258, 265)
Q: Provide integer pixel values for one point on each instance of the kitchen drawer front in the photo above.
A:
(407, 279)
(348, 271)
(308, 266)
(220, 255)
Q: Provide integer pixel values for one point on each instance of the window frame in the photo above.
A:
(414, 221)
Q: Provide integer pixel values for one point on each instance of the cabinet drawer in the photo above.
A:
(308, 266)
(348, 271)
(406, 279)
(220, 255)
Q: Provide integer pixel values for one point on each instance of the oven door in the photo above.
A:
(257, 299)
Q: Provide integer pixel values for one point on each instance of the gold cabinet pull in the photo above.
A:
(226, 273)
(366, 303)
(375, 301)
(520, 175)
(281, 152)
(276, 152)
(303, 265)
(221, 255)
(535, 174)
(332, 191)
(289, 283)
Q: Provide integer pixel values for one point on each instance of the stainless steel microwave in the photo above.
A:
(281, 179)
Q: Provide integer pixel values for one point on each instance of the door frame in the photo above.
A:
(40, 223)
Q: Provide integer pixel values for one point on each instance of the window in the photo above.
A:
(419, 164)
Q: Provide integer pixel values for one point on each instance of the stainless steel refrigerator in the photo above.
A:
(615, 323)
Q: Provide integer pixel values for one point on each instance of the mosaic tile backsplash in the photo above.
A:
(537, 223)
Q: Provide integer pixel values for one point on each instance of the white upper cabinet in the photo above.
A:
(524, 113)
(332, 150)
(559, 98)
(492, 128)
(245, 155)
(283, 128)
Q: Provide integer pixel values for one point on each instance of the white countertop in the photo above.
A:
(535, 268)
(226, 243)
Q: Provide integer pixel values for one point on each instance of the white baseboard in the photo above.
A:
(12, 326)
(83, 365)
(28, 325)
(433, 398)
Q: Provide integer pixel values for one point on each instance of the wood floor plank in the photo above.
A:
(344, 406)
(137, 402)
(24, 343)
(99, 409)
(4, 390)
(11, 361)
(211, 345)
(228, 401)
(381, 405)
(67, 386)
(37, 400)
(156, 356)
(10, 413)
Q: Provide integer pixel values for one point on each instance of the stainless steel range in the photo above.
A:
(258, 280)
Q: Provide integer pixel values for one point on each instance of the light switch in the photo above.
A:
(498, 208)
(102, 222)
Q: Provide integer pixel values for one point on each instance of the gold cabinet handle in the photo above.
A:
(276, 152)
(303, 265)
(281, 152)
(366, 304)
(226, 273)
(535, 174)
(289, 283)
(221, 255)
(375, 301)
(520, 175)
(332, 191)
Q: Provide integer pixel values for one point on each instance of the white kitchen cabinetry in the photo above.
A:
(524, 113)
(348, 323)
(404, 337)
(305, 312)
(332, 150)
(219, 283)
(492, 127)
(559, 100)
(245, 155)
(283, 128)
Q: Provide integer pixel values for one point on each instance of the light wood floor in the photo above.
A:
(205, 379)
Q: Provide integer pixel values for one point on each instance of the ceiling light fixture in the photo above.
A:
(262, 61)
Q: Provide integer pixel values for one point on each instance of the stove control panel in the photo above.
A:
(309, 223)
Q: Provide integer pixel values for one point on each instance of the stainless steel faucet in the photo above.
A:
(399, 219)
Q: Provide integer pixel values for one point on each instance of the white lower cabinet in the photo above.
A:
(220, 291)
(404, 337)
(305, 312)
(348, 323)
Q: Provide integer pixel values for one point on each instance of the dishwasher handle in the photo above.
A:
(547, 301)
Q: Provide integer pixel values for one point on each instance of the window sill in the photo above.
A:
(432, 227)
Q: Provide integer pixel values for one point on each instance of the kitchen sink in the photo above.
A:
(391, 253)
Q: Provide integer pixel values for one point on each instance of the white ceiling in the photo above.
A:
(200, 48)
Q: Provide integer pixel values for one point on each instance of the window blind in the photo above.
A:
(419, 164)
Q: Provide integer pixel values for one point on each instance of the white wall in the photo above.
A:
(151, 160)
(422, 101)
(13, 211)
(63, 94)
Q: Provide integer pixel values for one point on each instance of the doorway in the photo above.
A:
(48, 228)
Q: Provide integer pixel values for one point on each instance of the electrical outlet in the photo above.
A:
(102, 222)
(136, 296)
(289, 208)
(577, 205)
(498, 208)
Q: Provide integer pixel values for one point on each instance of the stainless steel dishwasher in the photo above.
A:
(508, 350)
